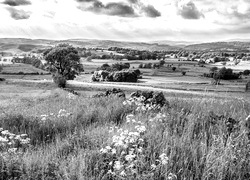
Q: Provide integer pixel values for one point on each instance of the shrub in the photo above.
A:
(140, 65)
(162, 62)
(183, 73)
(60, 80)
(173, 68)
(246, 72)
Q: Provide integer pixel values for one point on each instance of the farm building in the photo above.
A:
(6, 60)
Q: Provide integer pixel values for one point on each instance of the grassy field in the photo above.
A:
(165, 77)
(80, 137)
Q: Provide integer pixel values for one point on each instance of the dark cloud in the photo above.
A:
(17, 2)
(112, 9)
(189, 11)
(134, 1)
(120, 9)
(150, 11)
(18, 14)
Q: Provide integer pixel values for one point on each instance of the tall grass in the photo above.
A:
(194, 134)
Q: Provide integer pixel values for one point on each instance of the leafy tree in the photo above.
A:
(214, 69)
(173, 68)
(162, 62)
(246, 72)
(65, 61)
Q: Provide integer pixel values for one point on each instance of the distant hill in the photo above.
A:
(19, 45)
(220, 46)
(180, 44)
(123, 44)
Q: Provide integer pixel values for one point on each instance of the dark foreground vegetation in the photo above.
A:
(65, 136)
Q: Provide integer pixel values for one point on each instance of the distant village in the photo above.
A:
(232, 58)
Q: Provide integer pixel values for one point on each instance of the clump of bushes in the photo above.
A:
(116, 76)
(114, 67)
(149, 65)
(223, 73)
(151, 97)
(114, 91)
(246, 72)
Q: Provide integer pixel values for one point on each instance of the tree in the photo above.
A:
(173, 68)
(162, 62)
(214, 69)
(246, 72)
(64, 61)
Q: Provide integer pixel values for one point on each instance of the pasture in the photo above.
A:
(80, 137)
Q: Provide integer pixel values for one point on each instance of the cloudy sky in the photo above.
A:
(131, 20)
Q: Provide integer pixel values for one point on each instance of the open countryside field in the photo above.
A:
(165, 77)
(73, 137)
(179, 127)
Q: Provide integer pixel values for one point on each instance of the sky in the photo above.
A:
(127, 20)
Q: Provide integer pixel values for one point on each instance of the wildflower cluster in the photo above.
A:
(71, 96)
(141, 104)
(127, 155)
(61, 113)
(10, 142)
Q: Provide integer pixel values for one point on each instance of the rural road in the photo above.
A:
(81, 85)
(77, 84)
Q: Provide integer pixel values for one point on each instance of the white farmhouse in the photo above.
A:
(6, 60)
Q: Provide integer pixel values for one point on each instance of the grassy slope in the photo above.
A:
(19, 67)
(69, 148)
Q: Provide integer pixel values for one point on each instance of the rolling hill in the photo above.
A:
(19, 45)
(220, 46)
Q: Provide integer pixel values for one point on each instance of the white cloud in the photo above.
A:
(63, 19)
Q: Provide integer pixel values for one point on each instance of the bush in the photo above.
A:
(60, 80)
(173, 68)
(183, 73)
(246, 72)
(162, 62)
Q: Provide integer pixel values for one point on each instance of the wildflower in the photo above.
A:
(163, 158)
(12, 150)
(3, 139)
(113, 151)
(153, 166)
(123, 173)
(108, 148)
(140, 150)
(5, 132)
(23, 135)
(118, 165)
(43, 119)
(111, 172)
(172, 176)
(103, 150)
(129, 157)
